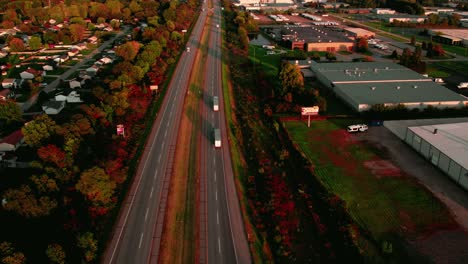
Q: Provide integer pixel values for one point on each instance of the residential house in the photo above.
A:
(47, 67)
(12, 141)
(6, 94)
(10, 83)
(25, 75)
(74, 84)
(91, 71)
(93, 40)
(61, 58)
(72, 97)
(31, 74)
(72, 52)
(53, 107)
(106, 60)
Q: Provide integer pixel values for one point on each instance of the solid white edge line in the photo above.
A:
(146, 214)
(152, 189)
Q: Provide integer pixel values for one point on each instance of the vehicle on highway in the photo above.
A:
(357, 128)
(217, 25)
(188, 49)
(217, 138)
(463, 85)
(215, 103)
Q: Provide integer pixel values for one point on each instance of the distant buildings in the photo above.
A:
(316, 39)
(458, 37)
(362, 85)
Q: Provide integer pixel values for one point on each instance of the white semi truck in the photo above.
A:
(217, 138)
(215, 103)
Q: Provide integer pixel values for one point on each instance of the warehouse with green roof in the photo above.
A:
(363, 84)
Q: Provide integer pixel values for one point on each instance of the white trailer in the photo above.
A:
(217, 138)
(215, 103)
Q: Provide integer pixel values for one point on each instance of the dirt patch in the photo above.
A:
(382, 168)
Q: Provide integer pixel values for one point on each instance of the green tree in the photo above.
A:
(10, 112)
(77, 32)
(89, 244)
(291, 79)
(39, 130)
(24, 202)
(129, 50)
(35, 43)
(16, 44)
(56, 254)
(8, 255)
(96, 186)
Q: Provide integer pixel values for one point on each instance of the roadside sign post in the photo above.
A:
(309, 111)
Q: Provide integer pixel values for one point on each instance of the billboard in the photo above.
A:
(314, 110)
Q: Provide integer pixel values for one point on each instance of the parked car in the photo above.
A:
(357, 128)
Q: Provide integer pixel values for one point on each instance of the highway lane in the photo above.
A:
(136, 238)
(225, 243)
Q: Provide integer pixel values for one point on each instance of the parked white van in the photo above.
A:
(357, 128)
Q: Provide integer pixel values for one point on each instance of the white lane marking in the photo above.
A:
(159, 159)
(141, 239)
(155, 174)
(214, 160)
(167, 125)
(163, 144)
(146, 215)
(151, 193)
(216, 195)
(170, 113)
(219, 245)
(165, 133)
(215, 176)
(217, 217)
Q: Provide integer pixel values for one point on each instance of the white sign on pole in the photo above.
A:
(310, 110)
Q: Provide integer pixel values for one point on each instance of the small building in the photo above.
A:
(359, 32)
(92, 71)
(25, 75)
(72, 52)
(383, 11)
(357, 10)
(316, 38)
(106, 60)
(402, 18)
(93, 40)
(47, 67)
(74, 84)
(12, 141)
(10, 83)
(445, 146)
(456, 37)
(53, 107)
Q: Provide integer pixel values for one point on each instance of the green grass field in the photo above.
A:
(380, 197)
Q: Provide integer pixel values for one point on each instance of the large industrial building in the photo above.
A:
(445, 146)
(363, 84)
(316, 38)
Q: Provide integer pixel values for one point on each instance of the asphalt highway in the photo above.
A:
(222, 235)
(137, 235)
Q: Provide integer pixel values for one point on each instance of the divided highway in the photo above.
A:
(137, 235)
(222, 235)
